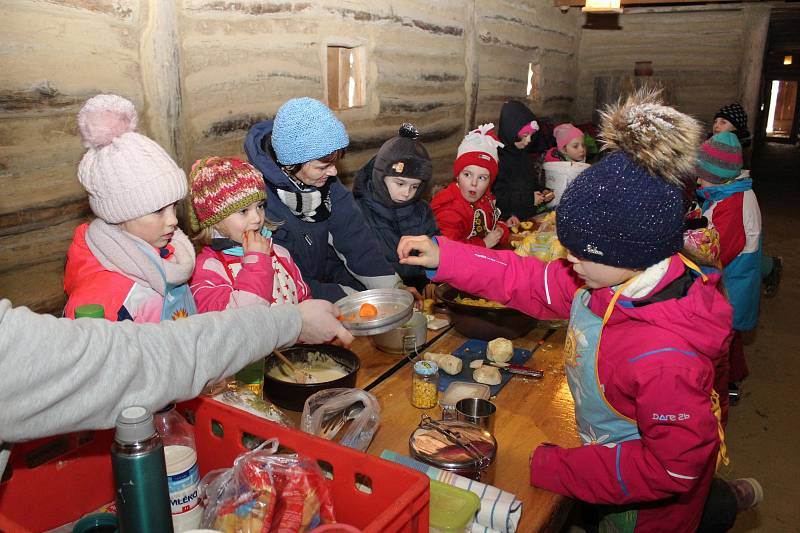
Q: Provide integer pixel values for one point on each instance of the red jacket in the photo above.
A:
(462, 221)
(656, 365)
(86, 281)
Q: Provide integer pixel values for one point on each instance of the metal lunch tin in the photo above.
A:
(434, 443)
(395, 307)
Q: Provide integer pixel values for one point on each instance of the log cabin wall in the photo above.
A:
(697, 52)
(200, 72)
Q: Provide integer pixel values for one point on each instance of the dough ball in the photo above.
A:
(488, 375)
(500, 350)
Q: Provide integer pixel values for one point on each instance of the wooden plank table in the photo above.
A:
(524, 402)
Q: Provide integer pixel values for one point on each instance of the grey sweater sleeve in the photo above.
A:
(59, 375)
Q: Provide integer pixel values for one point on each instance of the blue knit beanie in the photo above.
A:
(306, 129)
(627, 210)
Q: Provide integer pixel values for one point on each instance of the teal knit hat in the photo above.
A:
(306, 129)
(720, 158)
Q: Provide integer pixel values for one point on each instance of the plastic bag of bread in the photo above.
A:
(265, 492)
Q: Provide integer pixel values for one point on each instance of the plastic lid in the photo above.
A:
(458, 390)
(96, 523)
(452, 508)
(134, 424)
(90, 311)
(426, 368)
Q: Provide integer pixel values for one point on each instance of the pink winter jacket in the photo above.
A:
(254, 283)
(656, 363)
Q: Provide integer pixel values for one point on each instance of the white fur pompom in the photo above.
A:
(105, 117)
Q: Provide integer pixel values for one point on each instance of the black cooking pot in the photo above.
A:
(485, 323)
(293, 396)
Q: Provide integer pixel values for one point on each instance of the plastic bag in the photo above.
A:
(323, 405)
(243, 398)
(702, 244)
(265, 492)
(542, 242)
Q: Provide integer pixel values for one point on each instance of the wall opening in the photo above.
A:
(781, 113)
(346, 77)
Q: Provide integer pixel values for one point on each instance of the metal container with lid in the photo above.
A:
(395, 307)
(455, 446)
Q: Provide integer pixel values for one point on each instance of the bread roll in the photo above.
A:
(488, 375)
(500, 350)
(447, 362)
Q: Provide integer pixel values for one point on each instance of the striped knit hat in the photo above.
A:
(720, 158)
(221, 186)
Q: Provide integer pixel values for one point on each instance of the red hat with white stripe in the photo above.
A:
(479, 148)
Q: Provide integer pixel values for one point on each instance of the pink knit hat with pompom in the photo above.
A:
(126, 174)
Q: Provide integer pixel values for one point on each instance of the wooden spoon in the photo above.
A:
(300, 376)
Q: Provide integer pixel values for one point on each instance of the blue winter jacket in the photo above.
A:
(389, 224)
(742, 276)
(336, 256)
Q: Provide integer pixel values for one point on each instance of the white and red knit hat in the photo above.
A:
(221, 186)
(126, 174)
(479, 148)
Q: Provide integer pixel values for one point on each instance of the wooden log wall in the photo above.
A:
(698, 49)
(200, 72)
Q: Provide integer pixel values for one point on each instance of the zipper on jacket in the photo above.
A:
(308, 239)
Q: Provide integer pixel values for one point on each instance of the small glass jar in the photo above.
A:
(424, 382)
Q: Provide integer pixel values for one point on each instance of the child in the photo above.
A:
(733, 118)
(517, 190)
(321, 225)
(730, 206)
(238, 265)
(389, 191)
(643, 395)
(465, 211)
(563, 162)
(132, 259)
(569, 145)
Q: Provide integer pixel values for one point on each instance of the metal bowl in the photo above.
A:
(293, 396)
(484, 323)
(395, 307)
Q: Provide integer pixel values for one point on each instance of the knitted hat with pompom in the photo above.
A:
(478, 148)
(222, 186)
(126, 174)
(627, 210)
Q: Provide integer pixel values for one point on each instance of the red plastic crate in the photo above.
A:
(43, 496)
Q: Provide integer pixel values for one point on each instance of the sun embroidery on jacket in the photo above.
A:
(180, 313)
(572, 346)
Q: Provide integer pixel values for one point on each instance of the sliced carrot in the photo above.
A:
(367, 311)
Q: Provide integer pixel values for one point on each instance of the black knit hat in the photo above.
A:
(402, 156)
(736, 115)
(627, 210)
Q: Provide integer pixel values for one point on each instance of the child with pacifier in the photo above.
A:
(239, 265)
(465, 210)
(132, 259)
(646, 327)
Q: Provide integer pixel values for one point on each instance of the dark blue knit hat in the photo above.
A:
(627, 210)
(306, 129)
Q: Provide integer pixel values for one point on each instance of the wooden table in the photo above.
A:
(523, 402)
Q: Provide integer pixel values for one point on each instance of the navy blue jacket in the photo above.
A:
(389, 224)
(336, 256)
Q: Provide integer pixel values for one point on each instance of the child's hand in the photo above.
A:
(417, 297)
(538, 198)
(427, 251)
(254, 242)
(493, 237)
(512, 221)
(548, 195)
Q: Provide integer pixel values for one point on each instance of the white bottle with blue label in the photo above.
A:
(183, 476)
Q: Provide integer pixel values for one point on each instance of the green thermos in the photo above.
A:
(140, 474)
